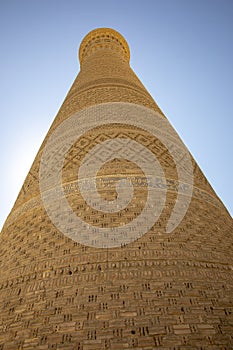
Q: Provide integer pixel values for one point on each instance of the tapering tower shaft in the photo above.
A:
(116, 239)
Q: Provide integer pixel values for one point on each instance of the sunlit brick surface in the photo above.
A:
(162, 291)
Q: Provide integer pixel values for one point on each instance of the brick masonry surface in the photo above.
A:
(166, 291)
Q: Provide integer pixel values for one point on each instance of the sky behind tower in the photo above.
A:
(181, 50)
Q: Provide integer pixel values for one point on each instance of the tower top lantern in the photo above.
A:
(103, 38)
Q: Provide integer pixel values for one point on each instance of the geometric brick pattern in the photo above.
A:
(162, 291)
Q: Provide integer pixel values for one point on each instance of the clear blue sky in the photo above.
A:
(182, 50)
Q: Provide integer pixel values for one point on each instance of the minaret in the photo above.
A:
(116, 240)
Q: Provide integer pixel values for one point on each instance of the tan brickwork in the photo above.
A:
(166, 291)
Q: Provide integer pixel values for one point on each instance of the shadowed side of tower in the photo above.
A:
(116, 239)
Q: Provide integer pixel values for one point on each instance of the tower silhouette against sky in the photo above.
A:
(116, 239)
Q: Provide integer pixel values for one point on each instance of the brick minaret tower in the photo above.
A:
(116, 240)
